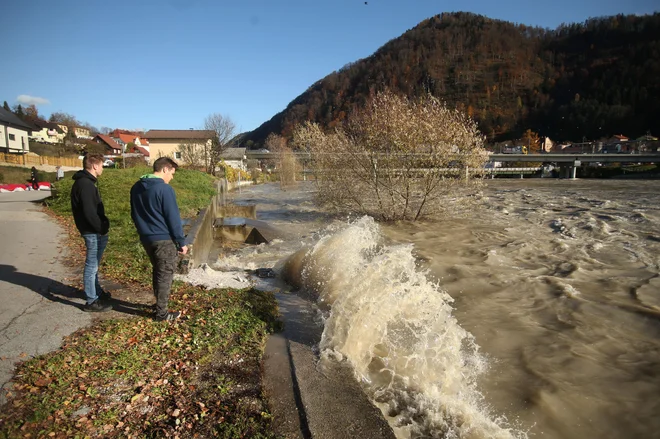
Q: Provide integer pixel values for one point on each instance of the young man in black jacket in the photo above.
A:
(157, 219)
(89, 215)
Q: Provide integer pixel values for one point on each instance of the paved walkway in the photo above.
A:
(32, 320)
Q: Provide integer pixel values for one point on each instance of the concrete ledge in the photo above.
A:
(232, 210)
(329, 402)
(249, 231)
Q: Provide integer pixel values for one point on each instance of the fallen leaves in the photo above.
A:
(136, 377)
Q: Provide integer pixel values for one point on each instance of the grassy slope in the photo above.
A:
(198, 377)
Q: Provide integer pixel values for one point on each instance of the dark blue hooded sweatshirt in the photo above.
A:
(155, 212)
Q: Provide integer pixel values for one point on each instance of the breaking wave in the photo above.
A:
(396, 328)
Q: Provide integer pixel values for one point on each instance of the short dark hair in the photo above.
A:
(164, 162)
(92, 159)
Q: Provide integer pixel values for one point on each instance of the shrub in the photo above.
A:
(232, 174)
(397, 158)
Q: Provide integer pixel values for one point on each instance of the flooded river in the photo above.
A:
(538, 315)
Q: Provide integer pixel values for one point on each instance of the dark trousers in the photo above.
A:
(163, 256)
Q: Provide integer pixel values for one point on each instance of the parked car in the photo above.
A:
(108, 164)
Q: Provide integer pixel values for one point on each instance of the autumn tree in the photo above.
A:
(532, 141)
(32, 113)
(397, 158)
(64, 119)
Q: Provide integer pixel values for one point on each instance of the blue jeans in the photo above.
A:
(95, 245)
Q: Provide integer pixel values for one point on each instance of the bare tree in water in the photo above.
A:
(397, 158)
(286, 163)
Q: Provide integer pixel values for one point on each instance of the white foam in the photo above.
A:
(397, 330)
(209, 278)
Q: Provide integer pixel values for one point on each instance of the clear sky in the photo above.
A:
(167, 64)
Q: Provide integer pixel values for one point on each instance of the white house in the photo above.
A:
(14, 133)
(82, 133)
(235, 157)
(47, 132)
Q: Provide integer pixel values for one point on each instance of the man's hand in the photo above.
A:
(183, 250)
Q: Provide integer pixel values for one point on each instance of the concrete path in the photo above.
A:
(37, 310)
(309, 399)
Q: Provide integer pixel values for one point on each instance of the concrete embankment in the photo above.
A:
(308, 398)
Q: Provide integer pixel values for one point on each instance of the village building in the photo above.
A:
(47, 132)
(166, 143)
(112, 148)
(235, 157)
(14, 133)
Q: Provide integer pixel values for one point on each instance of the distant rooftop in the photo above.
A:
(180, 134)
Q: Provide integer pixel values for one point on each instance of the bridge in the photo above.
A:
(568, 162)
(644, 157)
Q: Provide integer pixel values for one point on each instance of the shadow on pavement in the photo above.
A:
(58, 292)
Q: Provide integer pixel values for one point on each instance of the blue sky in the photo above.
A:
(167, 64)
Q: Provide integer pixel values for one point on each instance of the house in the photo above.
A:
(165, 143)
(14, 133)
(82, 133)
(63, 127)
(124, 137)
(47, 132)
(112, 147)
(547, 145)
(235, 157)
(139, 150)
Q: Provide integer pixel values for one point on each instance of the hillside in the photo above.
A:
(589, 79)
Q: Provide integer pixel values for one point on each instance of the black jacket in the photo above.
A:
(87, 206)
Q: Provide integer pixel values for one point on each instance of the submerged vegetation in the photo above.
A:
(397, 158)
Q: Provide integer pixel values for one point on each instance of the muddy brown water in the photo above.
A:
(536, 316)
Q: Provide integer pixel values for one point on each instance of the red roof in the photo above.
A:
(127, 138)
(109, 142)
(143, 151)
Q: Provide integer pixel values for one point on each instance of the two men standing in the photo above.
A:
(156, 216)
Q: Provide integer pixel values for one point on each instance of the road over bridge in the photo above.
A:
(567, 162)
(645, 157)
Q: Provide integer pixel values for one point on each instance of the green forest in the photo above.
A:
(583, 80)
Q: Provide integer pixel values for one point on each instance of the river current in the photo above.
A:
(535, 315)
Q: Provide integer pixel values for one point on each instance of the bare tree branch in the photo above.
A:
(225, 130)
(396, 159)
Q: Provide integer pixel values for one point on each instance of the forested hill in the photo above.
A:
(591, 79)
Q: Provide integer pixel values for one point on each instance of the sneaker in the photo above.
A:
(172, 315)
(104, 295)
(97, 306)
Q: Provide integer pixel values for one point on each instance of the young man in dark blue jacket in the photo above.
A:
(156, 216)
(89, 215)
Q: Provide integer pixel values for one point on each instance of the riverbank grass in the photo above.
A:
(196, 377)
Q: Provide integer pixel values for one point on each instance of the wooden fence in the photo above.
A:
(33, 160)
